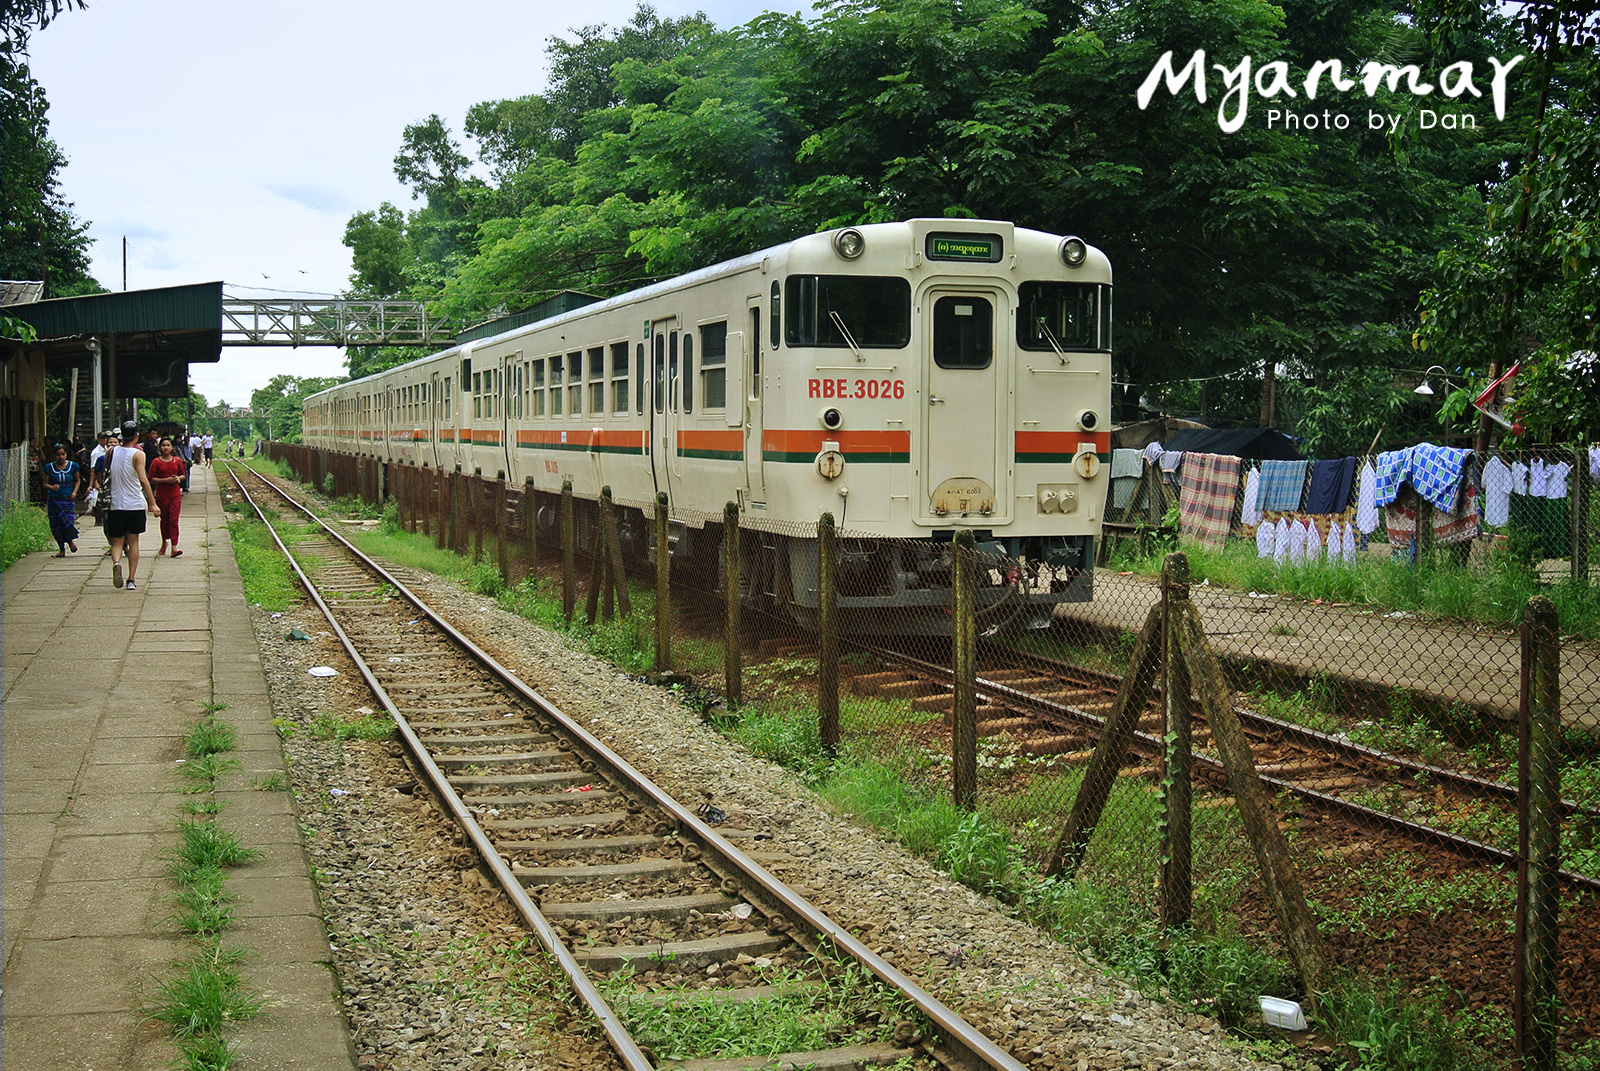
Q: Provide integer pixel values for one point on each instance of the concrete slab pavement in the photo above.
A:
(100, 686)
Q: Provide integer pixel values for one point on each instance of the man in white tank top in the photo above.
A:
(131, 495)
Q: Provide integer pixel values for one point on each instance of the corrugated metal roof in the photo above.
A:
(170, 308)
(16, 291)
(565, 301)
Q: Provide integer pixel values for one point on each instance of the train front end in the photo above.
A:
(949, 375)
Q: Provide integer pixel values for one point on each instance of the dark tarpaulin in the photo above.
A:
(1256, 444)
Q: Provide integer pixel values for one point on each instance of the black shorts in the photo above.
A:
(124, 522)
(208, 453)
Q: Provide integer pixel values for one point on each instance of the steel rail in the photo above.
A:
(632, 1056)
(1465, 845)
(972, 1050)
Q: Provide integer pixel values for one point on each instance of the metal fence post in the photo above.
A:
(963, 655)
(461, 518)
(1580, 515)
(732, 662)
(1177, 894)
(569, 563)
(1539, 836)
(441, 530)
(475, 496)
(663, 587)
(616, 568)
(827, 637)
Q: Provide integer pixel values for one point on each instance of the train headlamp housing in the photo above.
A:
(1088, 420)
(849, 243)
(831, 419)
(1074, 251)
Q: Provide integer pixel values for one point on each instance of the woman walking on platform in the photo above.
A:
(166, 479)
(61, 481)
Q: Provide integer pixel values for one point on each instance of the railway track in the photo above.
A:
(626, 888)
(1059, 709)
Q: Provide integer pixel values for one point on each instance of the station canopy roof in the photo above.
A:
(156, 333)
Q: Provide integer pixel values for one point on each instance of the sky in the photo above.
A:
(230, 140)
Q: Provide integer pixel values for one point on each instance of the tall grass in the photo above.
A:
(24, 529)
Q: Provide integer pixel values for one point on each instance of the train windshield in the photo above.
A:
(868, 311)
(1072, 316)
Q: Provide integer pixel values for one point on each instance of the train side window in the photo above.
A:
(755, 348)
(672, 370)
(477, 396)
(538, 387)
(714, 365)
(597, 381)
(575, 384)
(638, 379)
(447, 397)
(619, 377)
(555, 385)
(963, 332)
(688, 372)
(661, 373)
(774, 315)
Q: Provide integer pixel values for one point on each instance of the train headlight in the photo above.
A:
(831, 418)
(849, 243)
(1088, 420)
(1074, 251)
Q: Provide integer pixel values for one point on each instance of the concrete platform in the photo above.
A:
(100, 686)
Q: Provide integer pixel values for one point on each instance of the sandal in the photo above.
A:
(177, 554)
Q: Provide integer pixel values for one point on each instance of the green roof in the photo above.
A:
(197, 307)
(565, 301)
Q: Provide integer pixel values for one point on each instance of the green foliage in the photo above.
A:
(208, 995)
(24, 529)
(1393, 1031)
(205, 845)
(269, 581)
(330, 726)
(210, 737)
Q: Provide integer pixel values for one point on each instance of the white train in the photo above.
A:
(914, 379)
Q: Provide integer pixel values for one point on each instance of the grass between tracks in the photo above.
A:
(207, 993)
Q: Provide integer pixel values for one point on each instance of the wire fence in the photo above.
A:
(1381, 761)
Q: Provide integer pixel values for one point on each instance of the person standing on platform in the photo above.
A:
(62, 478)
(181, 444)
(131, 494)
(207, 442)
(166, 478)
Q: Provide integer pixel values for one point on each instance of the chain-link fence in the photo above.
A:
(1314, 740)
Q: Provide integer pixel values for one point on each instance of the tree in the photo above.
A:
(276, 409)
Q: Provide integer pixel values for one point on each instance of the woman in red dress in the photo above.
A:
(166, 474)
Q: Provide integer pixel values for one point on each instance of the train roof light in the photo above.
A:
(1074, 251)
(849, 243)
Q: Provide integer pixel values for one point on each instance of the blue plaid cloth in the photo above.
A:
(1394, 469)
(1436, 473)
(1281, 485)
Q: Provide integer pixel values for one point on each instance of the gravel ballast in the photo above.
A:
(414, 931)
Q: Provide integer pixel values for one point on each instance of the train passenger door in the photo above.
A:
(663, 403)
(748, 386)
(510, 395)
(964, 404)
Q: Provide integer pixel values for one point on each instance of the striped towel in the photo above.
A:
(1281, 484)
(1208, 486)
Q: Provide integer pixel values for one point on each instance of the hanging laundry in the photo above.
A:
(1152, 453)
(1127, 465)
(1555, 479)
(1281, 484)
(1250, 510)
(1297, 542)
(1394, 469)
(1349, 544)
(1170, 460)
(1594, 463)
(1280, 552)
(1519, 478)
(1436, 473)
(1313, 541)
(1207, 490)
(1266, 540)
(1367, 500)
(1496, 492)
(1330, 485)
(1537, 478)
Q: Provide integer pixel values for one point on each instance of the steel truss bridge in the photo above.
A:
(302, 322)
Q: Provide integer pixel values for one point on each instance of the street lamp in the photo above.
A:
(1424, 388)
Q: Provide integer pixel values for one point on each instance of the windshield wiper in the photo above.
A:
(1051, 338)
(838, 321)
